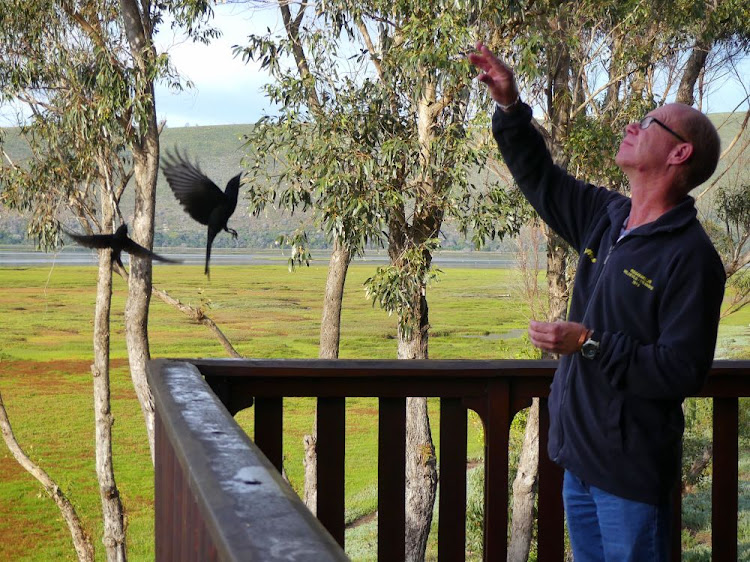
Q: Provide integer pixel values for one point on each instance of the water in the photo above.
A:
(26, 257)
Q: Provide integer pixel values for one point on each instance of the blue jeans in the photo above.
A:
(607, 527)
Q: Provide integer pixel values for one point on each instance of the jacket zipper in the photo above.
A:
(585, 312)
(598, 280)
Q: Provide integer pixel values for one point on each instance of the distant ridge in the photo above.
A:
(219, 150)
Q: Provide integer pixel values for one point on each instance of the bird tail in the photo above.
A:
(208, 254)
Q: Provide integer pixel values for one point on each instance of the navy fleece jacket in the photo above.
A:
(652, 299)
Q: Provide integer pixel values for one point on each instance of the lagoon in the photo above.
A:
(24, 256)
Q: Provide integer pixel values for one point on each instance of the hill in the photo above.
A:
(219, 150)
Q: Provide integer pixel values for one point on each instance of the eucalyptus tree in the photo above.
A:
(85, 71)
(374, 136)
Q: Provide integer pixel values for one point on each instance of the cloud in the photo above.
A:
(226, 89)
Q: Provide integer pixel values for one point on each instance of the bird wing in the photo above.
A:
(135, 249)
(192, 188)
(93, 240)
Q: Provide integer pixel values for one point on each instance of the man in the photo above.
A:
(643, 317)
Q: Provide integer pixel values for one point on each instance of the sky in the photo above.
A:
(228, 91)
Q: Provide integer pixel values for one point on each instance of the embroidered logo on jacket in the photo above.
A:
(590, 253)
(639, 280)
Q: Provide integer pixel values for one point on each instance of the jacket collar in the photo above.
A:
(676, 218)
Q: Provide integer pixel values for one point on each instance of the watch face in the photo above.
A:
(590, 349)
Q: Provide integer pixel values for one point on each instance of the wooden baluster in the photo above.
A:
(724, 492)
(550, 523)
(452, 521)
(268, 429)
(496, 434)
(391, 479)
(330, 465)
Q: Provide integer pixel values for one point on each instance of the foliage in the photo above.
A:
(71, 64)
(475, 510)
(733, 209)
(373, 131)
(394, 287)
(731, 236)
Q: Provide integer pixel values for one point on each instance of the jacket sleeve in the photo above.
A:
(676, 365)
(567, 205)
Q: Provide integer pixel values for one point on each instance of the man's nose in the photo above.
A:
(632, 128)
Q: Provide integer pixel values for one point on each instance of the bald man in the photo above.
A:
(643, 317)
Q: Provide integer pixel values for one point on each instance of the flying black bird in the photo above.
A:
(117, 242)
(202, 198)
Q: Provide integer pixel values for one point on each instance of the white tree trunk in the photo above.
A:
(146, 168)
(421, 478)
(81, 541)
(524, 489)
(330, 322)
(421, 462)
(139, 286)
(112, 511)
(330, 335)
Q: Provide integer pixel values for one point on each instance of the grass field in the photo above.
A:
(46, 350)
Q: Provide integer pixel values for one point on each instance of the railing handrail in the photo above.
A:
(496, 389)
(228, 477)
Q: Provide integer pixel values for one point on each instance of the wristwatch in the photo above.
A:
(590, 348)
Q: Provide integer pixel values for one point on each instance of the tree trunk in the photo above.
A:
(81, 541)
(330, 334)
(310, 462)
(421, 462)
(139, 286)
(112, 511)
(146, 168)
(693, 68)
(421, 478)
(330, 322)
(697, 468)
(557, 279)
(524, 489)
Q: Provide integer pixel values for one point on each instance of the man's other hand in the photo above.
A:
(560, 337)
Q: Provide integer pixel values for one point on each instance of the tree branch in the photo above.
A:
(190, 311)
(292, 30)
(81, 541)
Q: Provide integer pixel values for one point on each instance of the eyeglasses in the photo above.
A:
(646, 122)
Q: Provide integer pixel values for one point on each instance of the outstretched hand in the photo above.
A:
(497, 75)
(563, 338)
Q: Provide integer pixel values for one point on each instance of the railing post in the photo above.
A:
(269, 429)
(496, 431)
(392, 479)
(724, 499)
(452, 518)
(330, 465)
(550, 523)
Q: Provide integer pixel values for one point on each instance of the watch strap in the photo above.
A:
(585, 334)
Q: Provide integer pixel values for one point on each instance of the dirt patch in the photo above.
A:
(365, 412)
(9, 467)
(49, 377)
(17, 537)
(362, 520)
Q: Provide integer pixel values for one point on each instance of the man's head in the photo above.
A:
(677, 140)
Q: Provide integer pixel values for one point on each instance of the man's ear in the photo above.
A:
(680, 153)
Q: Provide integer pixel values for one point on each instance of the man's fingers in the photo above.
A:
(542, 334)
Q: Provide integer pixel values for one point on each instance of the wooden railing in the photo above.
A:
(219, 498)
